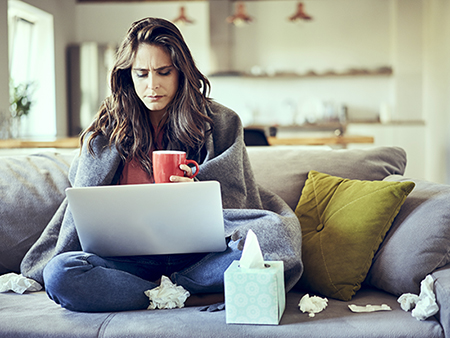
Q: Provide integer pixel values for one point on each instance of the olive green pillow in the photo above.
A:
(343, 223)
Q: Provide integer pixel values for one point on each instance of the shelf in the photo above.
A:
(390, 123)
(383, 71)
(331, 126)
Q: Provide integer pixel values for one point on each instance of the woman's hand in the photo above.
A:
(187, 174)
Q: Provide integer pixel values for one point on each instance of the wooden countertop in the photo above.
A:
(73, 142)
(69, 142)
(336, 140)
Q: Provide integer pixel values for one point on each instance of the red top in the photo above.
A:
(132, 172)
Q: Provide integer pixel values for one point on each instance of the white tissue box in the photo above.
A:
(254, 296)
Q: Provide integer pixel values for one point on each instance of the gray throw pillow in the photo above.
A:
(418, 241)
(31, 189)
(284, 169)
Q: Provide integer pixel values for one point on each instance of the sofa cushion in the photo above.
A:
(343, 223)
(35, 315)
(417, 243)
(31, 189)
(284, 169)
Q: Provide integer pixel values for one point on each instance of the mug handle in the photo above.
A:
(197, 169)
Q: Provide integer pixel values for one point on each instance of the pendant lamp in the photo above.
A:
(300, 14)
(240, 16)
(182, 18)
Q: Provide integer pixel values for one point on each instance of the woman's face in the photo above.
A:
(154, 77)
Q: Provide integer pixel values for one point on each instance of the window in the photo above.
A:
(32, 61)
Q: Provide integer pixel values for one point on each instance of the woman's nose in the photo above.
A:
(153, 82)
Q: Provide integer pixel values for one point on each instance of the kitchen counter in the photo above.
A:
(311, 140)
(68, 142)
(73, 142)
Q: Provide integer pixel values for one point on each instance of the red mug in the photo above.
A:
(167, 163)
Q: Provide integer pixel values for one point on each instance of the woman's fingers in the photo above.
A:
(186, 178)
(187, 169)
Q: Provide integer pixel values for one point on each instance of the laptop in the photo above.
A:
(149, 219)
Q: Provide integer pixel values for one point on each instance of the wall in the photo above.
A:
(283, 101)
(4, 73)
(408, 136)
(437, 89)
(273, 45)
(408, 57)
(343, 35)
(273, 42)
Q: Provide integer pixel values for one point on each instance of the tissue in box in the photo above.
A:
(254, 296)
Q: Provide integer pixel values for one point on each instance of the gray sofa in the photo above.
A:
(417, 244)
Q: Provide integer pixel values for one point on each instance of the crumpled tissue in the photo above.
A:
(369, 308)
(313, 304)
(251, 257)
(424, 305)
(408, 301)
(167, 295)
(18, 283)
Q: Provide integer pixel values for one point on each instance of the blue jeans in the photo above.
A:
(81, 281)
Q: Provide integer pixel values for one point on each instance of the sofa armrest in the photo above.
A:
(442, 291)
(31, 189)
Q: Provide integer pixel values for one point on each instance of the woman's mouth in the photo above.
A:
(155, 97)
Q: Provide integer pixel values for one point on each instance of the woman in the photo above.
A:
(167, 101)
(159, 101)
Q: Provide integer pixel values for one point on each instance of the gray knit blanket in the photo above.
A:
(246, 205)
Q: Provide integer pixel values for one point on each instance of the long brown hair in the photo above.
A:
(124, 119)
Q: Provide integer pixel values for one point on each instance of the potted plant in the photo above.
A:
(19, 104)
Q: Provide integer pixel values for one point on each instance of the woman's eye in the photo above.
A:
(141, 74)
(165, 73)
